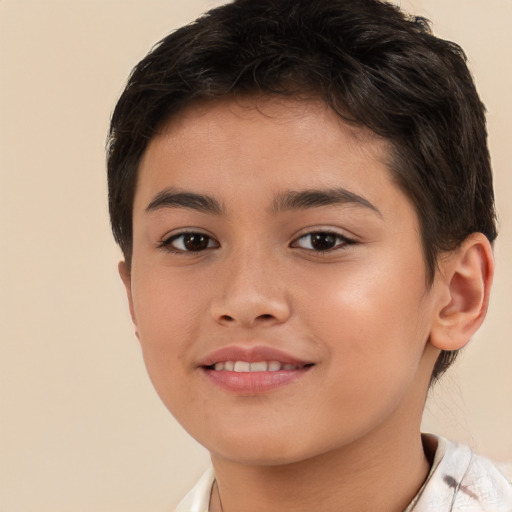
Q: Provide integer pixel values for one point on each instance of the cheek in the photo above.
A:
(374, 335)
(374, 318)
(167, 312)
(164, 303)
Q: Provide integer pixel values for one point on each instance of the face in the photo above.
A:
(277, 284)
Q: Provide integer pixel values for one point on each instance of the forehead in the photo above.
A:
(298, 139)
(309, 117)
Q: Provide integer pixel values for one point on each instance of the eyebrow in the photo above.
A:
(304, 199)
(172, 198)
(290, 200)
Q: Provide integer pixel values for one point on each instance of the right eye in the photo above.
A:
(189, 242)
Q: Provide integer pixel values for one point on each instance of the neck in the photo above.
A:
(359, 477)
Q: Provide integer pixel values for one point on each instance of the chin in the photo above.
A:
(257, 456)
(255, 446)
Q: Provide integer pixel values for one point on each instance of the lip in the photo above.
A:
(253, 383)
(251, 355)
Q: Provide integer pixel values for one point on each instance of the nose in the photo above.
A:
(251, 293)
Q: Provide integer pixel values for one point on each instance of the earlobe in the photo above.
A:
(125, 274)
(465, 277)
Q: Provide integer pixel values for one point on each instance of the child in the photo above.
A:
(302, 193)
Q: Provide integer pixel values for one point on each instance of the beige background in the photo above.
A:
(81, 428)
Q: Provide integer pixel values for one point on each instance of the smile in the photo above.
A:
(258, 366)
(253, 370)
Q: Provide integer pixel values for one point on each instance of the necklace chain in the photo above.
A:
(215, 491)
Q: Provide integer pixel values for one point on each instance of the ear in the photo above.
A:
(126, 277)
(464, 279)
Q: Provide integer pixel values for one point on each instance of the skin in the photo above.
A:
(361, 312)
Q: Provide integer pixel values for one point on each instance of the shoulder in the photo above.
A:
(198, 499)
(464, 481)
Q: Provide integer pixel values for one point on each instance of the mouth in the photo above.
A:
(258, 366)
(252, 371)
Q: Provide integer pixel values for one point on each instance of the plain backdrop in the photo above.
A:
(81, 428)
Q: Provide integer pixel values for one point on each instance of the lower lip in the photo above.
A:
(254, 382)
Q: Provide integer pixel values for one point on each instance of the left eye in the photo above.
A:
(190, 242)
(321, 241)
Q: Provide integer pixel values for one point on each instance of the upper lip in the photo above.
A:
(251, 354)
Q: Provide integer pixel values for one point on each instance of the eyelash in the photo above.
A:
(342, 241)
(166, 244)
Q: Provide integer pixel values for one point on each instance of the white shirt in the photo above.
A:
(459, 481)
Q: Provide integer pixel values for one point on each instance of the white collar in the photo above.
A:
(198, 499)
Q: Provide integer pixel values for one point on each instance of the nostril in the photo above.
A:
(226, 318)
(266, 317)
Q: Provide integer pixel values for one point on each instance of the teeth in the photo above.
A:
(242, 366)
(259, 366)
(274, 366)
(262, 366)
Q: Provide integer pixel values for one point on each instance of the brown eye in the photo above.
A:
(322, 241)
(190, 242)
(195, 242)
